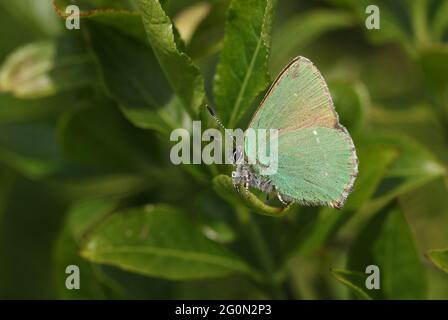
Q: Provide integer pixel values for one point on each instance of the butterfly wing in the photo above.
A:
(298, 98)
(315, 166)
(317, 161)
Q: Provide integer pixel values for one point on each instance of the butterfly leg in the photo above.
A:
(283, 200)
(243, 190)
(238, 188)
(280, 198)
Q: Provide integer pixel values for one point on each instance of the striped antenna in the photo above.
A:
(213, 114)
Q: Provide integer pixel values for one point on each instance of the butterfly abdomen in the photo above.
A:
(261, 183)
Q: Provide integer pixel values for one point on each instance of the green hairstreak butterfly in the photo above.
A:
(317, 162)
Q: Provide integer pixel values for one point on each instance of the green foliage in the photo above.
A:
(85, 176)
(387, 242)
(159, 241)
(354, 281)
(135, 80)
(439, 258)
(242, 72)
(183, 74)
(224, 187)
(41, 69)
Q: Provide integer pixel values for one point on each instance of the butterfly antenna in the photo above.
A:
(214, 116)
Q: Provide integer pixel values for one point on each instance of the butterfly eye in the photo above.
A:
(238, 155)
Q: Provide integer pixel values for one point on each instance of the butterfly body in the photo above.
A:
(247, 175)
(317, 162)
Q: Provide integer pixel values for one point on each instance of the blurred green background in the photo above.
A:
(85, 117)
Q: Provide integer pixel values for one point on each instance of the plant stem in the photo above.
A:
(419, 19)
(262, 252)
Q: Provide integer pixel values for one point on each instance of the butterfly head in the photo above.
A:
(241, 174)
(238, 155)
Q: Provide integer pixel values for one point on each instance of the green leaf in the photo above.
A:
(25, 72)
(183, 75)
(129, 69)
(73, 65)
(413, 167)
(133, 77)
(94, 284)
(43, 68)
(128, 23)
(31, 149)
(98, 136)
(114, 15)
(224, 187)
(440, 258)
(80, 220)
(355, 281)
(164, 120)
(387, 241)
(159, 241)
(207, 39)
(83, 216)
(242, 72)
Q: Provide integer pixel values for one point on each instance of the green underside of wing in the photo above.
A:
(315, 165)
(298, 99)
